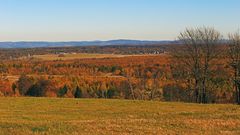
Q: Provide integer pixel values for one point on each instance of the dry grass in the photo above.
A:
(93, 116)
(75, 56)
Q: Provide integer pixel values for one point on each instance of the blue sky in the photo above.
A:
(72, 20)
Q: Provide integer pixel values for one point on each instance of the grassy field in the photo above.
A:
(75, 56)
(93, 116)
(68, 56)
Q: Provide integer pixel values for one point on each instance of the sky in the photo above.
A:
(81, 20)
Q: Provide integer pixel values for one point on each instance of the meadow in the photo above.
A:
(74, 56)
(56, 116)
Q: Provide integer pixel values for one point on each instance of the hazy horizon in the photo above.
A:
(91, 20)
(85, 40)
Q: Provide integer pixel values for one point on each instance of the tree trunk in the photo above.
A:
(238, 96)
(204, 94)
(237, 88)
(196, 91)
(131, 88)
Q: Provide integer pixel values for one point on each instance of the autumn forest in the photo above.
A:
(201, 67)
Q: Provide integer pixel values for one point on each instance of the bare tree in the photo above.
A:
(195, 55)
(128, 74)
(234, 53)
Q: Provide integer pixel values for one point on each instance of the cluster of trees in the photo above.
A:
(77, 67)
(136, 83)
(234, 54)
(124, 80)
(44, 87)
(198, 64)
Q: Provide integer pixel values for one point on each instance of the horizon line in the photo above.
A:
(89, 40)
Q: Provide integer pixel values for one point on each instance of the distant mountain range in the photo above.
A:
(80, 43)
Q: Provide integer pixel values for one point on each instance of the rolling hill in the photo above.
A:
(34, 44)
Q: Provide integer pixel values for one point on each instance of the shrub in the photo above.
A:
(62, 91)
(24, 84)
(78, 93)
(41, 88)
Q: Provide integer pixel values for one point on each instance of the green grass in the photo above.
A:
(91, 116)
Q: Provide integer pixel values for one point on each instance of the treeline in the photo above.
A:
(116, 49)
